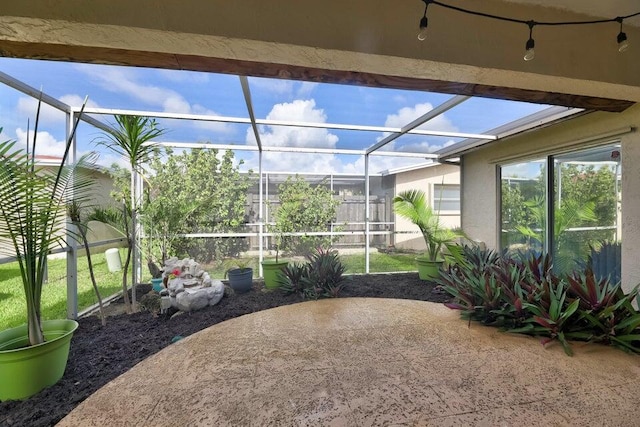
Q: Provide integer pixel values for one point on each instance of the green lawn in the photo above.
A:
(380, 262)
(54, 294)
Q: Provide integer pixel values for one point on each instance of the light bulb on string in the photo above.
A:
(424, 22)
(422, 35)
(623, 43)
(529, 47)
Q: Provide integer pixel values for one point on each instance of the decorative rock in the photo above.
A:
(215, 292)
(175, 287)
(193, 289)
(191, 300)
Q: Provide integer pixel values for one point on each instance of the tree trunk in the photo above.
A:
(92, 275)
(34, 326)
(125, 291)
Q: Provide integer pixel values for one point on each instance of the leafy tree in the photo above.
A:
(165, 205)
(304, 207)
(199, 191)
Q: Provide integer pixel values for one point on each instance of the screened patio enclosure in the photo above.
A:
(271, 132)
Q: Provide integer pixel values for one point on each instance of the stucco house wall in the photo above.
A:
(424, 179)
(479, 175)
(100, 194)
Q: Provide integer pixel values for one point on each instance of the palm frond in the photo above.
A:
(129, 137)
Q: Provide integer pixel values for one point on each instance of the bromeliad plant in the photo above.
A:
(32, 210)
(322, 276)
(521, 294)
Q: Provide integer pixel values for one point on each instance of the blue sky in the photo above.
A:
(217, 94)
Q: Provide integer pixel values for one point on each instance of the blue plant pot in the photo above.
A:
(156, 284)
(241, 279)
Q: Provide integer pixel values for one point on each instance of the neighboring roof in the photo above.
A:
(54, 161)
(409, 168)
(546, 117)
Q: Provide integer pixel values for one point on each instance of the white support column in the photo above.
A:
(331, 226)
(72, 253)
(260, 216)
(135, 233)
(367, 232)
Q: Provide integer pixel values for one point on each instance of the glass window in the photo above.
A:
(446, 197)
(586, 206)
(523, 206)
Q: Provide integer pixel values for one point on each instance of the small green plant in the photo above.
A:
(322, 276)
(241, 264)
(325, 274)
(151, 302)
(290, 281)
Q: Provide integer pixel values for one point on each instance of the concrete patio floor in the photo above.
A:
(363, 362)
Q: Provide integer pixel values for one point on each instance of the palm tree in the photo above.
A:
(569, 214)
(74, 212)
(414, 206)
(129, 138)
(120, 220)
(32, 204)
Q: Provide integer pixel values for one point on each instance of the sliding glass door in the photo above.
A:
(584, 208)
(587, 208)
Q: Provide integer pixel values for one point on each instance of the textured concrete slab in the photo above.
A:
(367, 362)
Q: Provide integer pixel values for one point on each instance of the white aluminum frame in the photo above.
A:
(471, 140)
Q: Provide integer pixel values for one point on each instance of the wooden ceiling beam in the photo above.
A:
(100, 55)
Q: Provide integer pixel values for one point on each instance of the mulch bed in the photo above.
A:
(100, 354)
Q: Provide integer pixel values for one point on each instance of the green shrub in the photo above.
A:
(290, 281)
(322, 276)
(522, 294)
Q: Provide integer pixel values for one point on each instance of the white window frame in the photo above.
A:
(435, 198)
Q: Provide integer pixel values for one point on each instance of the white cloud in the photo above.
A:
(406, 115)
(46, 144)
(108, 159)
(77, 100)
(284, 136)
(276, 86)
(305, 89)
(379, 164)
(27, 107)
(418, 144)
(283, 88)
(425, 147)
(124, 82)
(306, 111)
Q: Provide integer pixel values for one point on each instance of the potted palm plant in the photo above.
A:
(414, 206)
(32, 204)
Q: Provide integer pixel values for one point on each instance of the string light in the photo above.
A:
(529, 53)
(424, 22)
(623, 42)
